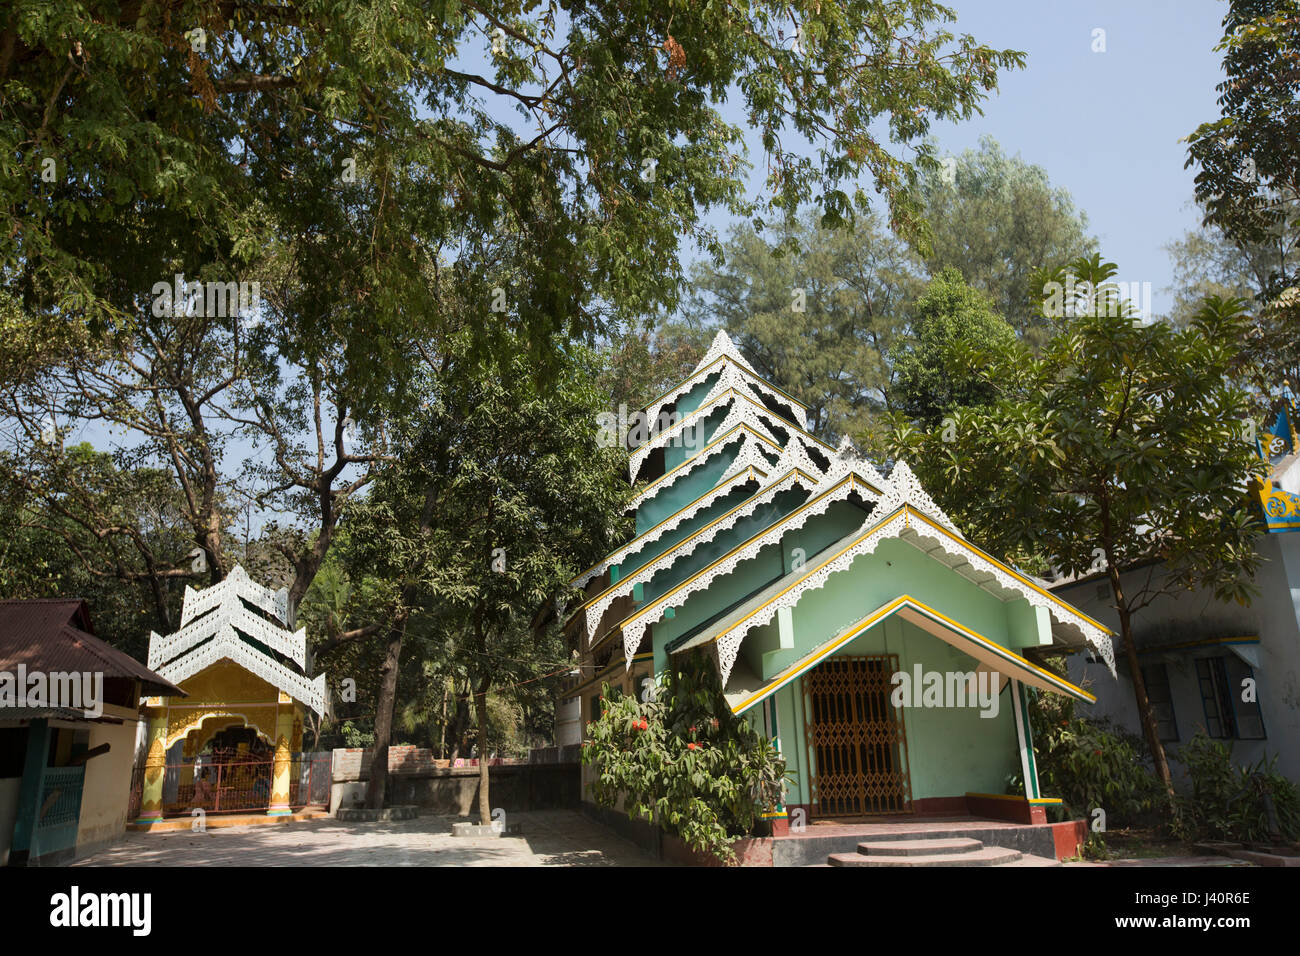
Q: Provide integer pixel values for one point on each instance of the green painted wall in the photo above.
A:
(950, 751)
(873, 580)
(752, 574)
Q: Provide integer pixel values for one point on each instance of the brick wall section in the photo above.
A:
(550, 778)
(353, 763)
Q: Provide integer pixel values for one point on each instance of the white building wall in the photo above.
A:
(1197, 616)
(568, 722)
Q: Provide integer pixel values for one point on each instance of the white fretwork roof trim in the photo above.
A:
(793, 456)
(236, 615)
(635, 627)
(228, 646)
(651, 535)
(744, 409)
(196, 603)
(905, 489)
(212, 621)
(750, 452)
(721, 347)
(596, 608)
(729, 375)
(893, 526)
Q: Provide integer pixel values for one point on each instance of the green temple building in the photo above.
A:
(849, 620)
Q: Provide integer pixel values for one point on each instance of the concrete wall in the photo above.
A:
(107, 793)
(455, 790)
(1190, 616)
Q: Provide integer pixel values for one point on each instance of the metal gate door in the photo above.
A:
(856, 741)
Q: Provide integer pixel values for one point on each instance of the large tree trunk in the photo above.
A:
(1150, 727)
(384, 716)
(480, 711)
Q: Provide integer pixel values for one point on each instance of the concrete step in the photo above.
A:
(930, 847)
(1028, 859)
(985, 856)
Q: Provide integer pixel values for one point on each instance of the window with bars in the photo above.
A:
(1227, 715)
(1156, 679)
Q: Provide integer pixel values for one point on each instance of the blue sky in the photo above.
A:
(1104, 125)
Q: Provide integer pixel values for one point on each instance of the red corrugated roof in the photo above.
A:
(48, 635)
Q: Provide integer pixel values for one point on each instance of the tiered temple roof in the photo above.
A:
(749, 477)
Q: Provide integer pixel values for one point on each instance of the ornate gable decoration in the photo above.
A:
(218, 623)
(688, 430)
(723, 346)
(750, 453)
(905, 489)
(733, 372)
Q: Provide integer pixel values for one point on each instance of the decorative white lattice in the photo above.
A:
(231, 614)
(743, 410)
(842, 467)
(715, 447)
(687, 546)
(1095, 636)
(228, 646)
(212, 622)
(894, 526)
(729, 641)
(795, 455)
(720, 347)
(634, 629)
(722, 489)
(905, 489)
(197, 603)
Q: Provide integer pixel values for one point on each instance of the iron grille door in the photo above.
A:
(855, 737)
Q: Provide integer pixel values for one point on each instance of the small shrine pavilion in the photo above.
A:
(244, 676)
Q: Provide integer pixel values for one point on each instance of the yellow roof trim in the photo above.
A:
(1011, 571)
(899, 604)
(699, 531)
(748, 472)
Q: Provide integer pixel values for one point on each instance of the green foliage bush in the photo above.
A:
(1225, 800)
(685, 761)
(1089, 764)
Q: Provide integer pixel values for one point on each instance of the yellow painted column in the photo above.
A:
(188, 750)
(151, 797)
(280, 769)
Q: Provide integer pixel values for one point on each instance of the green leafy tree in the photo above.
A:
(1206, 263)
(955, 340)
(816, 310)
(132, 136)
(1124, 447)
(96, 526)
(1249, 159)
(499, 494)
(1248, 172)
(999, 220)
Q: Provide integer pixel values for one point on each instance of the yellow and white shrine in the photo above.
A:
(235, 659)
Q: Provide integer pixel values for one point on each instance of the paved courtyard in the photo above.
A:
(549, 838)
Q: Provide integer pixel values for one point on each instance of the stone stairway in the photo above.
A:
(939, 851)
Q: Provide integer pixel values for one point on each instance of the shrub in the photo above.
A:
(1089, 764)
(1225, 801)
(684, 760)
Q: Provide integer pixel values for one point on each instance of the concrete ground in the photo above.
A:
(549, 838)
